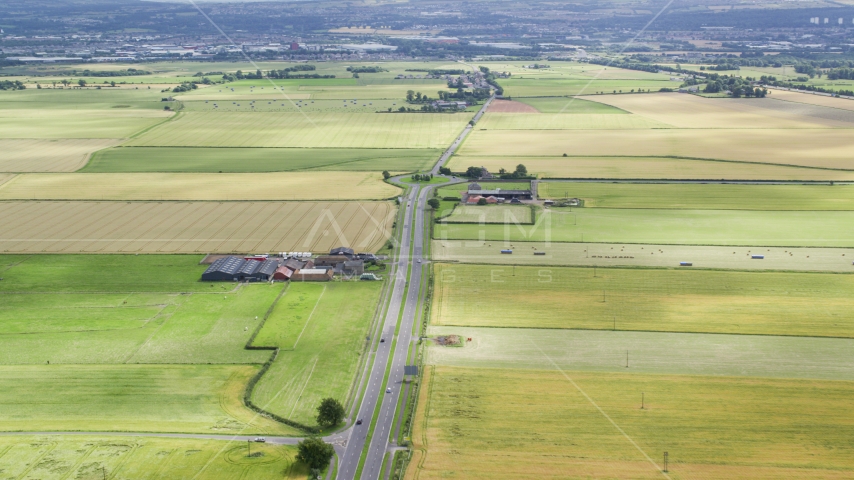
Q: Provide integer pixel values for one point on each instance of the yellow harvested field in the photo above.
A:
(808, 98)
(324, 130)
(77, 123)
(557, 121)
(494, 423)
(199, 186)
(192, 227)
(649, 168)
(692, 111)
(43, 155)
(5, 177)
(825, 148)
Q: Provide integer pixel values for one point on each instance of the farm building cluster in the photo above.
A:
(475, 193)
(290, 266)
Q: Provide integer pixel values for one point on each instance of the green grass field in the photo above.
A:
(136, 398)
(115, 309)
(87, 457)
(82, 332)
(327, 130)
(569, 105)
(115, 274)
(645, 255)
(320, 329)
(705, 196)
(177, 159)
(490, 214)
(533, 424)
(644, 300)
(433, 181)
(678, 227)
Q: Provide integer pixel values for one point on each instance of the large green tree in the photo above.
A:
(330, 412)
(314, 452)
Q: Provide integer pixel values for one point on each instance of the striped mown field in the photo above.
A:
(327, 130)
(190, 227)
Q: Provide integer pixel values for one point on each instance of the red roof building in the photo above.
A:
(283, 274)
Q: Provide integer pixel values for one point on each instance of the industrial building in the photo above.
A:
(236, 269)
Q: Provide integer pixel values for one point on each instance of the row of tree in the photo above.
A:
(366, 69)
(426, 177)
(477, 172)
(12, 85)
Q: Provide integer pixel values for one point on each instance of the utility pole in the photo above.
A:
(642, 400)
(249, 448)
(627, 359)
(665, 462)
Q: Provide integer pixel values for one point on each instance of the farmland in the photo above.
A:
(101, 375)
(505, 421)
(198, 186)
(525, 86)
(825, 148)
(320, 330)
(30, 122)
(490, 214)
(764, 131)
(47, 316)
(712, 197)
(691, 111)
(328, 130)
(649, 300)
(213, 160)
(570, 105)
(769, 356)
(187, 227)
(143, 398)
(560, 121)
(646, 255)
(90, 457)
(43, 155)
(84, 332)
(648, 168)
(670, 226)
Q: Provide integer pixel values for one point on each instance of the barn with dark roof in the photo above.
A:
(236, 269)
